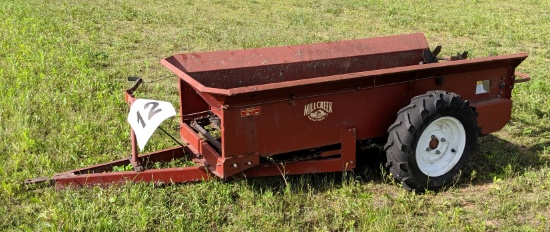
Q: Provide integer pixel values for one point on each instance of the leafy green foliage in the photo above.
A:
(63, 66)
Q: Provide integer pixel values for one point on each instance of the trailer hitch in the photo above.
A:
(38, 180)
(129, 97)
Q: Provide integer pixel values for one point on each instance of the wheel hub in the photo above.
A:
(440, 146)
(434, 142)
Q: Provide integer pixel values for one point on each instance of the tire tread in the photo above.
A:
(406, 127)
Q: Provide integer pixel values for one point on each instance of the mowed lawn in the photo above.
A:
(63, 68)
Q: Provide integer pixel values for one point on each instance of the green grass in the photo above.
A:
(63, 66)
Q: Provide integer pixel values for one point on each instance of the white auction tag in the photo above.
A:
(146, 115)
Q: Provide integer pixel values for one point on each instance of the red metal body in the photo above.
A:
(316, 99)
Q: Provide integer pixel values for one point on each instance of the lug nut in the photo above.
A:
(433, 137)
(443, 140)
(437, 152)
(428, 149)
(249, 163)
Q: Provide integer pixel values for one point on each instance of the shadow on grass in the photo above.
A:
(500, 158)
(496, 157)
(533, 129)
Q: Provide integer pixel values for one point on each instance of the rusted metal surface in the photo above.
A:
(129, 97)
(103, 173)
(493, 114)
(204, 133)
(283, 99)
(157, 156)
(348, 151)
(303, 167)
(223, 70)
(37, 180)
(524, 77)
(242, 71)
(157, 176)
(315, 99)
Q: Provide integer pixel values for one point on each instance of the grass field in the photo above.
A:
(63, 66)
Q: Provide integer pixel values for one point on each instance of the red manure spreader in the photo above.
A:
(310, 106)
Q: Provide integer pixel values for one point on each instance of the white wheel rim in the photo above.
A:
(440, 146)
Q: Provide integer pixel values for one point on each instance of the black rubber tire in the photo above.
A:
(411, 121)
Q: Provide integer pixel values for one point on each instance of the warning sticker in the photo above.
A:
(251, 111)
(482, 87)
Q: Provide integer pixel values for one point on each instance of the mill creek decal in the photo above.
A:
(317, 111)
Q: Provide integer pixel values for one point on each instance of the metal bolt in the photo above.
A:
(440, 81)
(235, 165)
(433, 137)
(437, 152)
(443, 140)
(249, 163)
(351, 161)
(428, 149)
